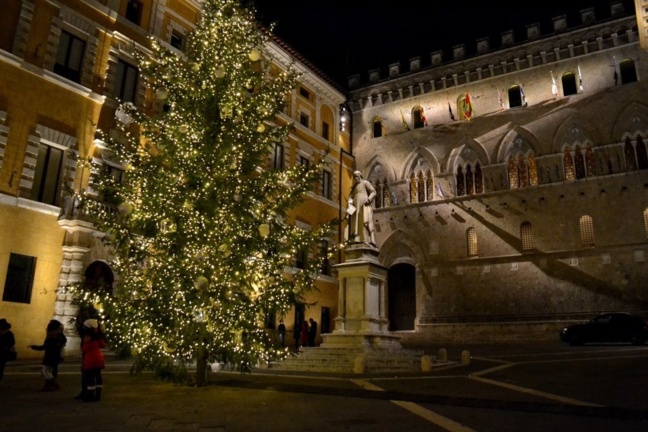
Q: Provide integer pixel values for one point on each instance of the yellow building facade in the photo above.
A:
(65, 66)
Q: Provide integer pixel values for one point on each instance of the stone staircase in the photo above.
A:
(354, 360)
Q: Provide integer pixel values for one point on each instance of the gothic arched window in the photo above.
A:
(642, 157)
(460, 181)
(630, 159)
(568, 163)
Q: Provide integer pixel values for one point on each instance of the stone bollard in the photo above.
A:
(426, 364)
(465, 357)
(359, 365)
(443, 355)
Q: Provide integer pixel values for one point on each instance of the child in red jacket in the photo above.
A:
(93, 360)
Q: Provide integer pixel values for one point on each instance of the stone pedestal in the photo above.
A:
(362, 302)
(361, 342)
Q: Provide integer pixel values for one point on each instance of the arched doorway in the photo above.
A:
(401, 285)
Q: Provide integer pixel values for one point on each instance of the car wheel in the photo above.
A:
(637, 340)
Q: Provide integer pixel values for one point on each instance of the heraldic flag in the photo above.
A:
(467, 107)
(405, 125)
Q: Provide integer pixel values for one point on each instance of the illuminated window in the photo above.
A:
(471, 237)
(512, 173)
(587, 231)
(568, 163)
(526, 235)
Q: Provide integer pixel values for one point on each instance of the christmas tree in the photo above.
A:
(201, 233)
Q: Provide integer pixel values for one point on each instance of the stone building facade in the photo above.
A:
(512, 184)
(64, 66)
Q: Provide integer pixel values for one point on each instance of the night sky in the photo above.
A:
(345, 37)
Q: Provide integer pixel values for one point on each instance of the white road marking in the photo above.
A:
(431, 416)
(535, 392)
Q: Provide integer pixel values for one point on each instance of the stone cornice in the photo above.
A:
(411, 84)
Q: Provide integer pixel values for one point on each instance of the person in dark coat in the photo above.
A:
(303, 337)
(53, 346)
(7, 343)
(281, 330)
(312, 332)
(297, 335)
(93, 361)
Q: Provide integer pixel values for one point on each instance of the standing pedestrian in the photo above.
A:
(7, 345)
(312, 332)
(282, 332)
(297, 335)
(303, 337)
(93, 361)
(53, 346)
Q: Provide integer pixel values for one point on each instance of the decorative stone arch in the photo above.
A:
(574, 129)
(414, 158)
(405, 298)
(517, 141)
(469, 150)
(632, 120)
(399, 247)
(376, 161)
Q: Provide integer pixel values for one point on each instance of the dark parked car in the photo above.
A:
(608, 327)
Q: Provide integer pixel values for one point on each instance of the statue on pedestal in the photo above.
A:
(360, 227)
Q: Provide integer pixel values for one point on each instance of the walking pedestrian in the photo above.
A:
(7, 345)
(53, 346)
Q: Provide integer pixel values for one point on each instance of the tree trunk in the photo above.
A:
(201, 366)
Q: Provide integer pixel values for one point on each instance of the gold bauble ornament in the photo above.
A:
(254, 54)
(264, 230)
(125, 208)
(201, 282)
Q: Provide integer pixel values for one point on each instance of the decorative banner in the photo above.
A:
(580, 79)
(452, 117)
(467, 107)
(405, 125)
(554, 86)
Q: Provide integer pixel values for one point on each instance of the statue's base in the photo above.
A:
(357, 353)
